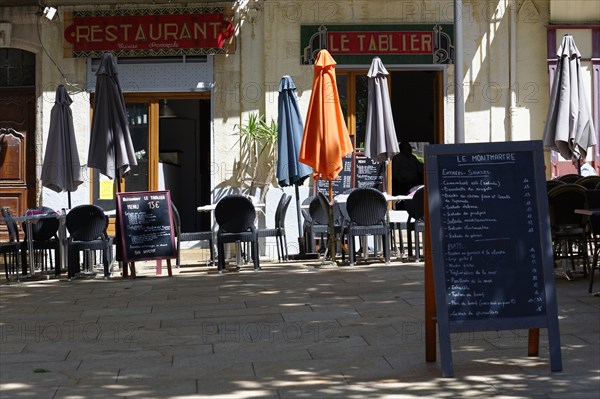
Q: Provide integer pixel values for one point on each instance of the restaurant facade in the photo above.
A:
(193, 72)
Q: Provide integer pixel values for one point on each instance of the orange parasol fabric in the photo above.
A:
(325, 141)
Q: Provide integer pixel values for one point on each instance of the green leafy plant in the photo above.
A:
(257, 143)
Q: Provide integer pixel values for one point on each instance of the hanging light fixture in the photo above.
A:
(249, 11)
(49, 12)
(164, 111)
(46, 11)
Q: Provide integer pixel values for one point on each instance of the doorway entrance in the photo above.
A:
(171, 135)
(17, 130)
(417, 104)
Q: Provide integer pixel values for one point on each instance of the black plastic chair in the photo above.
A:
(398, 220)
(44, 238)
(190, 236)
(593, 202)
(367, 213)
(236, 215)
(318, 223)
(589, 182)
(10, 250)
(595, 240)
(569, 178)
(416, 222)
(279, 230)
(550, 184)
(307, 222)
(87, 232)
(569, 229)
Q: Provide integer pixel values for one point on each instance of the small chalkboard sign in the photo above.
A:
(344, 181)
(368, 173)
(146, 226)
(491, 244)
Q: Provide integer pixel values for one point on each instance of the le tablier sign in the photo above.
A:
(149, 32)
(400, 44)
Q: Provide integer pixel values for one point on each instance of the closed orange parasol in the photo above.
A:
(325, 141)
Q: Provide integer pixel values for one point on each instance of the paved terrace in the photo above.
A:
(292, 330)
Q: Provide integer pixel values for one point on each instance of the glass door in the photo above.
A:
(103, 188)
(137, 179)
(353, 93)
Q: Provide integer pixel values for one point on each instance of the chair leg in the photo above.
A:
(351, 253)
(409, 229)
(285, 247)
(279, 248)
(105, 263)
(5, 266)
(386, 248)
(594, 266)
(57, 265)
(255, 255)
(221, 255)
(212, 252)
(72, 257)
(585, 258)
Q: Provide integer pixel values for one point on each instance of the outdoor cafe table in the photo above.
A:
(30, 220)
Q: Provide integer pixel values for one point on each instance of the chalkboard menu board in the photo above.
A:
(368, 173)
(146, 226)
(490, 235)
(342, 183)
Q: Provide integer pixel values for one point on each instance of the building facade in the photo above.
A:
(232, 71)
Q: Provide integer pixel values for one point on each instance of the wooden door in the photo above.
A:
(17, 149)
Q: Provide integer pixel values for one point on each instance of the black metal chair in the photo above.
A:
(87, 232)
(190, 236)
(398, 220)
(279, 230)
(318, 222)
(550, 184)
(415, 224)
(44, 238)
(10, 249)
(367, 213)
(569, 178)
(589, 182)
(593, 202)
(569, 229)
(307, 222)
(235, 215)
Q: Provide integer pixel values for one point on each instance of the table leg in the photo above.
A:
(30, 255)
(63, 247)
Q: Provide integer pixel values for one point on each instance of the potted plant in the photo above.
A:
(255, 170)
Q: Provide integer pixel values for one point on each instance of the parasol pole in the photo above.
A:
(301, 243)
(330, 228)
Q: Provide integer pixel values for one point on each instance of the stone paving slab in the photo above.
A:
(292, 330)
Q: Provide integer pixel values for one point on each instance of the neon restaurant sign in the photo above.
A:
(396, 44)
(149, 32)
